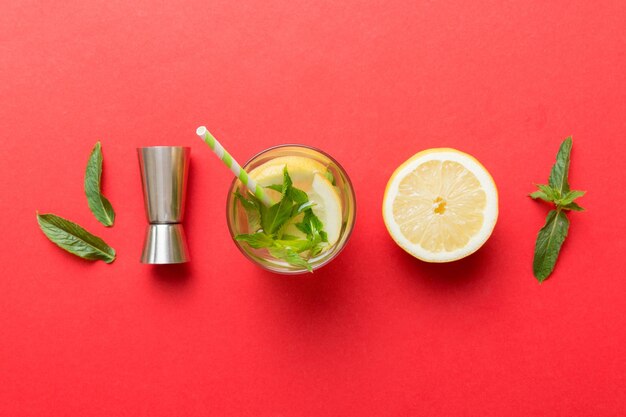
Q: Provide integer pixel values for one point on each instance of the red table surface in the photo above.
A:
(373, 333)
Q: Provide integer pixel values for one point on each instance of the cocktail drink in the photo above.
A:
(309, 216)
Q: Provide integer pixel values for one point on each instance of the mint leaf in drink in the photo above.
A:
(548, 245)
(256, 240)
(294, 208)
(274, 217)
(296, 244)
(330, 177)
(252, 206)
(74, 239)
(552, 235)
(298, 196)
(98, 204)
(291, 257)
(276, 187)
(313, 228)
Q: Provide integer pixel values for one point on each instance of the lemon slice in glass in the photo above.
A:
(440, 205)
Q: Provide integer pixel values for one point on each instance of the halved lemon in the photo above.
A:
(307, 175)
(440, 205)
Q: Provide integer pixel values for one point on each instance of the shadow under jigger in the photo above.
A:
(164, 172)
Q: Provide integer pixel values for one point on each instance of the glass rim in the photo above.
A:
(349, 228)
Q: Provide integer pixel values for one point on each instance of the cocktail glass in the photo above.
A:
(238, 222)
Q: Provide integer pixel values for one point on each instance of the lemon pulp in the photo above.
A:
(440, 205)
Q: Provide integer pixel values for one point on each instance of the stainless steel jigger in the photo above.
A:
(164, 177)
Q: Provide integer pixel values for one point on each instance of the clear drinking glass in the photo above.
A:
(238, 222)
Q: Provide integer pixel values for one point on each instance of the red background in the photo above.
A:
(375, 332)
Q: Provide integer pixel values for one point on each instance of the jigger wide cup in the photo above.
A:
(164, 172)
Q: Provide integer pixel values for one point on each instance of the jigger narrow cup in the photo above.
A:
(164, 171)
(164, 177)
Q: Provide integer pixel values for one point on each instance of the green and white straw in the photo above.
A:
(235, 168)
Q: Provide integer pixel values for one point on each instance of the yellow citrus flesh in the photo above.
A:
(301, 170)
(440, 205)
(327, 206)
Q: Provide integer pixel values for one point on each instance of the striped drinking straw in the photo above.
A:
(235, 168)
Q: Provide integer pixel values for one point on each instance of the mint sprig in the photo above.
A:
(269, 223)
(553, 233)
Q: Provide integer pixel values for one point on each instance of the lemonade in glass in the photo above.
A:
(312, 214)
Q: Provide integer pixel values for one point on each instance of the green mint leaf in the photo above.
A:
(274, 217)
(287, 189)
(559, 172)
(572, 206)
(278, 214)
(252, 206)
(298, 196)
(330, 177)
(291, 257)
(256, 240)
(276, 187)
(540, 195)
(552, 235)
(289, 237)
(287, 183)
(297, 245)
(98, 204)
(304, 227)
(549, 192)
(312, 226)
(315, 224)
(74, 239)
(570, 197)
(548, 245)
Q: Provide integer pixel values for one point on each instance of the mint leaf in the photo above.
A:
(287, 183)
(256, 240)
(540, 195)
(330, 177)
(276, 187)
(275, 216)
(98, 204)
(297, 245)
(289, 237)
(570, 197)
(560, 170)
(573, 207)
(74, 239)
(548, 245)
(552, 235)
(291, 257)
(252, 206)
(550, 193)
(312, 226)
(298, 196)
